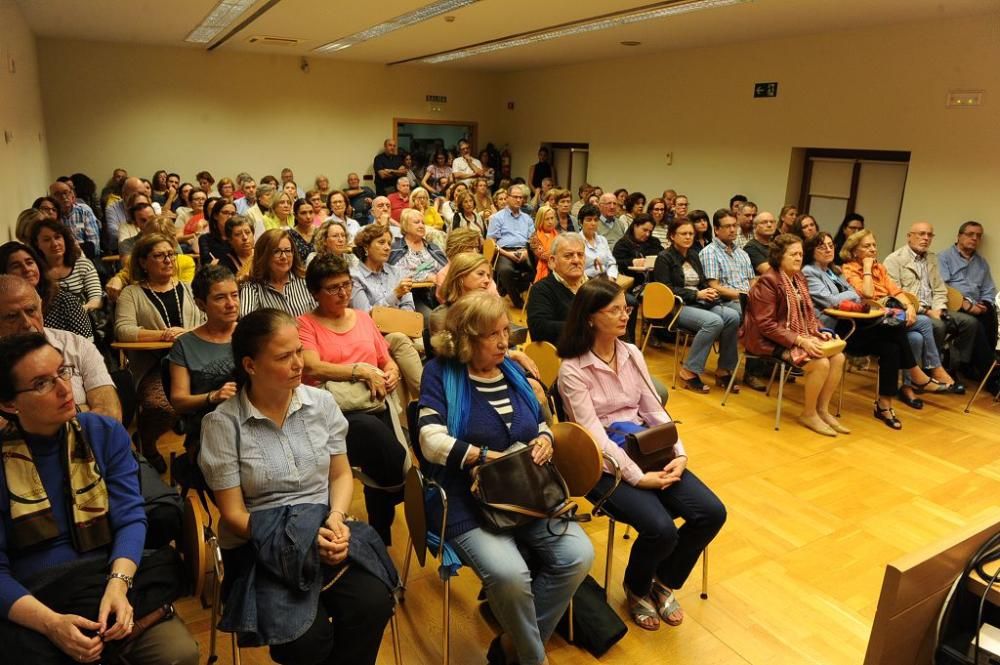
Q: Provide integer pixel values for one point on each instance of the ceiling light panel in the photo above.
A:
(581, 28)
(410, 18)
(221, 17)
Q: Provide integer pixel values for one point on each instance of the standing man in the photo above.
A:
(964, 269)
(915, 269)
(609, 225)
(77, 216)
(466, 168)
(512, 231)
(388, 167)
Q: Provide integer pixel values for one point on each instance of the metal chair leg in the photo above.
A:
(216, 592)
(732, 378)
(446, 647)
(968, 407)
(704, 574)
(611, 551)
(396, 651)
(770, 382)
(781, 395)
(406, 569)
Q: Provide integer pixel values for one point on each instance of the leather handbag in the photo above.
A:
(513, 490)
(652, 448)
(354, 396)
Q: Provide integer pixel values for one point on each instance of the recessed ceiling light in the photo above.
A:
(629, 43)
(220, 18)
(416, 16)
(672, 8)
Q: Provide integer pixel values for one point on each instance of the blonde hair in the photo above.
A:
(459, 267)
(852, 242)
(470, 317)
(319, 239)
(406, 218)
(462, 239)
(540, 216)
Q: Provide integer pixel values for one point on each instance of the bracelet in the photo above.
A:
(343, 515)
(482, 454)
(208, 398)
(127, 579)
(866, 274)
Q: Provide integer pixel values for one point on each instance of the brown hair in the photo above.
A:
(263, 250)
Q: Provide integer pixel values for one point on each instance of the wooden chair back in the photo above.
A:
(657, 301)
(193, 548)
(577, 457)
(544, 355)
(416, 512)
(490, 252)
(392, 319)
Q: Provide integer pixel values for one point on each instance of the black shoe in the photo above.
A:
(912, 402)
(755, 382)
(157, 462)
(495, 655)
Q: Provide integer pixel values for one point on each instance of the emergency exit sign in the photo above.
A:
(765, 89)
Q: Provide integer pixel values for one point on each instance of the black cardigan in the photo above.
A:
(668, 270)
(627, 249)
(548, 307)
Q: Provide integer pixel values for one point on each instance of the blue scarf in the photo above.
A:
(458, 392)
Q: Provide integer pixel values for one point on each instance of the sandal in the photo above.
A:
(722, 381)
(643, 611)
(695, 384)
(921, 388)
(890, 420)
(666, 603)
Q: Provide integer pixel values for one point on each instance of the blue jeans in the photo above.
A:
(661, 548)
(921, 338)
(718, 323)
(528, 608)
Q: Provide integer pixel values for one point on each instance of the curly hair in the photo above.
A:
(468, 318)
(366, 236)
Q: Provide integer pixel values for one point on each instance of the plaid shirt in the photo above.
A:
(729, 265)
(84, 226)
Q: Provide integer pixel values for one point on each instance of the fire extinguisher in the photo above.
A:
(505, 163)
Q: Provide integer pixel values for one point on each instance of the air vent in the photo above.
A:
(265, 40)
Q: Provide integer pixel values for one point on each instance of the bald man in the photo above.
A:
(609, 225)
(915, 268)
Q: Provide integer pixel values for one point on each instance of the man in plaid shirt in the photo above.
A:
(77, 216)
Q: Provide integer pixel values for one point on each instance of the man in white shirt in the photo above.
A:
(466, 168)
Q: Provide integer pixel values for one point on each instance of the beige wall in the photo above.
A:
(24, 161)
(146, 108)
(874, 89)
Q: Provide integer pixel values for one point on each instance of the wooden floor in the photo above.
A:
(795, 573)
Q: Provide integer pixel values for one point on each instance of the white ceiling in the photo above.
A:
(317, 22)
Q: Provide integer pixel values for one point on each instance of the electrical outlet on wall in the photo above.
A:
(670, 159)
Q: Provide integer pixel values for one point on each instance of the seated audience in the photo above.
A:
(280, 215)
(360, 198)
(853, 222)
(320, 210)
(915, 269)
(75, 273)
(702, 228)
(257, 211)
(376, 281)
(680, 268)
(473, 393)
(275, 279)
(781, 322)
(745, 216)
(140, 213)
(872, 282)
(541, 240)
(460, 241)
(418, 260)
(381, 213)
(634, 203)
(466, 168)
(828, 289)
(565, 221)
(481, 195)
(679, 208)
(72, 545)
(499, 200)
(659, 210)
(965, 270)
(637, 243)
(332, 238)
(420, 200)
(274, 457)
(511, 228)
(303, 231)
(467, 216)
(61, 309)
(248, 189)
(21, 312)
(759, 247)
(239, 237)
(191, 221)
(605, 384)
(213, 245)
(77, 217)
(155, 307)
(25, 220)
(727, 267)
(341, 344)
(598, 259)
(48, 207)
(551, 297)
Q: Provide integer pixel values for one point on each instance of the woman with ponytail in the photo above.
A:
(475, 406)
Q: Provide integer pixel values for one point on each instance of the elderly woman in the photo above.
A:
(420, 200)
(598, 257)
(280, 215)
(61, 309)
(342, 344)
(703, 312)
(275, 277)
(541, 240)
(332, 238)
(376, 281)
(155, 307)
(239, 259)
(75, 273)
(828, 289)
(274, 455)
(565, 222)
(303, 231)
(605, 384)
(871, 280)
(634, 204)
(467, 216)
(500, 199)
(475, 406)
(637, 243)
(780, 318)
(65, 579)
(417, 258)
(340, 210)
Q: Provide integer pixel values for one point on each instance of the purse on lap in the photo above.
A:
(651, 448)
(513, 490)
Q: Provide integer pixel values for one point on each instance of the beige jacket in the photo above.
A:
(902, 269)
(135, 310)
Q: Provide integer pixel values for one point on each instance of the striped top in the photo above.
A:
(294, 298)
(497, 393)
(82, 281)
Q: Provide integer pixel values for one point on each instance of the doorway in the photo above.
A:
(569, 164)
(869, 182)
(422, 138)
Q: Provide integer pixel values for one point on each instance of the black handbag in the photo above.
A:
(652, 448)
(596, 626)
(512, 491)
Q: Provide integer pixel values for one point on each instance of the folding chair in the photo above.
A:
(780, 367)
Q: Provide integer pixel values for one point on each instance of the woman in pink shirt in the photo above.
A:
(604, 381)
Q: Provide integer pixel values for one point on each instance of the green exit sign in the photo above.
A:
(765, 89)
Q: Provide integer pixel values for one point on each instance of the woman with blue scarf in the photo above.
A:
(475, 406)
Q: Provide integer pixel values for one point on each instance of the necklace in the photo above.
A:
(608, 361)
(163, 305)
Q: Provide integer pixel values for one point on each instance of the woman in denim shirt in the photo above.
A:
(279, 443)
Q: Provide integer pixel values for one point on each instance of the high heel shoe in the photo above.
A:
(891, 420)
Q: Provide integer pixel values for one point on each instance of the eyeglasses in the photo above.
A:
(973, 234)
(618, 311)
(163, 256)
(281, 251)
(338, 289)
(44, 386)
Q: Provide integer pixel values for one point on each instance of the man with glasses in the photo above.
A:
(78, 217)
(21, 312)
(512, 230)
(466, 168)
(388, 167)
(964, 269)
